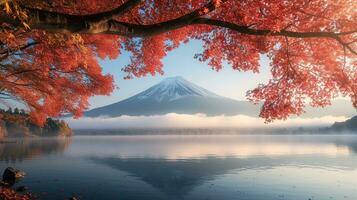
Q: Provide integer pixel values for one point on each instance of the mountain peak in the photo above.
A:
(174, 80)
(173, 88)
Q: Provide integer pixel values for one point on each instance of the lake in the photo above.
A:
(191, 167)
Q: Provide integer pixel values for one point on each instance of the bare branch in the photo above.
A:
(346, 45)
(9, 51)
(22, 71)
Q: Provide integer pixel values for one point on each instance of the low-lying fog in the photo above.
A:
(174, 120)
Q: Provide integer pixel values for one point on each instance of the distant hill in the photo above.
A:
(349, 125)
(177, 95)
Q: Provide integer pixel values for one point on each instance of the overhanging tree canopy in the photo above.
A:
(50, 49)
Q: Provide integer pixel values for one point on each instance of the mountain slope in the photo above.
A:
(175, 95)
(172, 89)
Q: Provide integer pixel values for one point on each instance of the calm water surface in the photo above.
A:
(188, 167)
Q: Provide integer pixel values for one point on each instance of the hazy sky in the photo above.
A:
(180, 62)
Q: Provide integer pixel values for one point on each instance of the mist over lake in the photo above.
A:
(259, 167)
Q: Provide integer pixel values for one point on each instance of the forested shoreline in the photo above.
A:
(17, 123)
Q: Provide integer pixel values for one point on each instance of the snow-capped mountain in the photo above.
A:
(175, 95)
(174, 88)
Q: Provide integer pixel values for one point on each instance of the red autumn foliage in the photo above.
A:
(10, 194)
(312, 46)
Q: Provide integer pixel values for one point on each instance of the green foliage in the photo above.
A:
(15, 111)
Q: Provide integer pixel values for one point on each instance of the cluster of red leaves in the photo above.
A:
(10, 194)
(55, 73)
(313, 70)
(59, 73)
(304, 70)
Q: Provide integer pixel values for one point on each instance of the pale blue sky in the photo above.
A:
(180, 62)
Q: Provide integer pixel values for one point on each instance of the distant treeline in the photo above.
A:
(16, 111)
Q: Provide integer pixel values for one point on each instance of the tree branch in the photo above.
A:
(135, 30)
(346, 45)
(264, 32)
(60, 22)
(21, 72)
(19, 48)
(8, 52)
(103, 23)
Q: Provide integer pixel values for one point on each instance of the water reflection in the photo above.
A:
(350, 144)
(184, 147)
(189, 167)
(17, 150)
(179, 177)
(174, 178)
